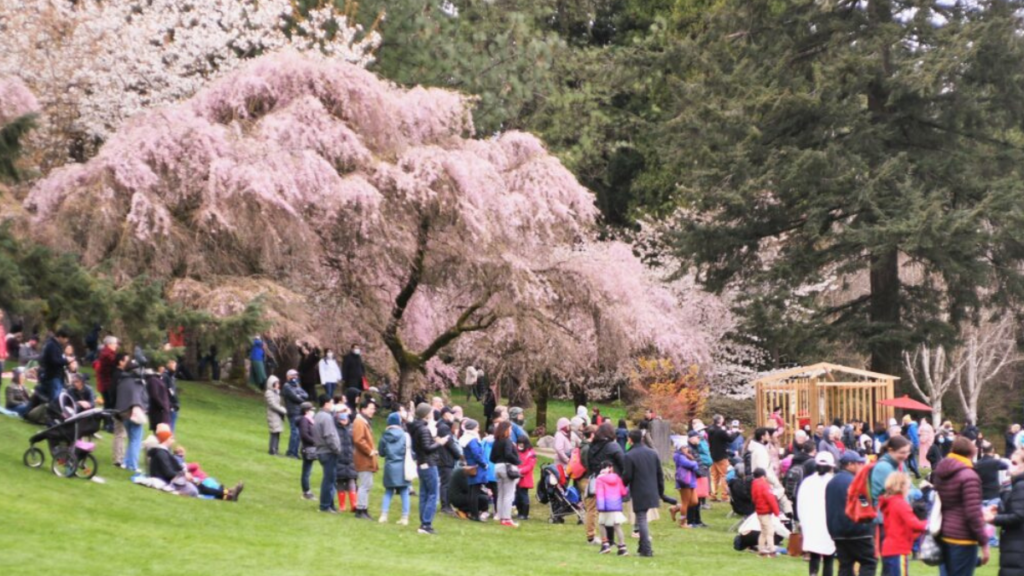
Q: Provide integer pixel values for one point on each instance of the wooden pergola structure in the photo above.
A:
(822, 392)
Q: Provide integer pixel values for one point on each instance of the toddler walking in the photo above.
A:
(609, 493)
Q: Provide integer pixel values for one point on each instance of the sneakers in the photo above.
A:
(593, 541)
(403, 521)
(622, 550)
(329, 511)
(383, 519)
(646, 554)
(605, 548)
(309, 496)
(509, 524)
(483, 516)
(428, 530)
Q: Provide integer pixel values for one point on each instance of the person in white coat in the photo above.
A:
(760, 457)
(810, 509)
(330, 372)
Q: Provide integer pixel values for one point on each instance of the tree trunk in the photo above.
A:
(937, 413)
(237, 374)
(540, 398)
(885, 311)
(579, 395)
(406, 383)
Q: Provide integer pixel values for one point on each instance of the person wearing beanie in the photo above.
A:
(365, 456)
(447, 457)
(426, 448)
(393, 446)
(345, 473)
(328, 448)
(563, 442)
(475, 469)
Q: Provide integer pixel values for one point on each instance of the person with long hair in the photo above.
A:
(505, 457)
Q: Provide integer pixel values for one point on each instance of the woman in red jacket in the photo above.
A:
(902, 528)
(767, 508)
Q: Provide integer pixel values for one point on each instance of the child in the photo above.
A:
(609, 493)
(767, 508)
(686, 484)
(527, 462)
(902, 527)
(345, 469)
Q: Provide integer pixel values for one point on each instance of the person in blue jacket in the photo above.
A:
(911, 432)
(476, 456)
(855, 542)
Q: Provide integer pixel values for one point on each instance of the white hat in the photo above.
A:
(825, 459)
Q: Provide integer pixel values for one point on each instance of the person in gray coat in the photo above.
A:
(275, 413)
(392, 447)
(646, 482)
(328, 447)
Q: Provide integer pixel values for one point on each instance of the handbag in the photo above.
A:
(470, 471)
(138, 416)
(592, 487)
(931, 550)
(309, 453)
(512, 472)
(795, 547)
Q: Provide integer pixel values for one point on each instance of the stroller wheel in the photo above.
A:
(87, 467)
(34, 457)
(64, 463)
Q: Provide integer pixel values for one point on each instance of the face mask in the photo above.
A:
(357, 351)
(330, 356)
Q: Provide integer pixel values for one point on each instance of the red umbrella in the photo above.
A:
(906, 403)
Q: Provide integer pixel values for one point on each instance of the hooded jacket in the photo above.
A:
(1011, 519)
(959, 487)
(345, 469)
(840, 527)
(362, 439)
(131, 391)
(392, 448)
(764, 500)
(275, 411)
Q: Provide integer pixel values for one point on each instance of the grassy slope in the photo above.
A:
(50, 524)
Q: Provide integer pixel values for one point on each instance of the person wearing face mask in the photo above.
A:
(330, 373)
(1009, 515)
(352, 369)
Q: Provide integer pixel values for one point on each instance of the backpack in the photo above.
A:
(576, 469)
(748, 469)
(858, 497)
(794, 476)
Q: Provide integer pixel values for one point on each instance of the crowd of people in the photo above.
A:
(132, 394)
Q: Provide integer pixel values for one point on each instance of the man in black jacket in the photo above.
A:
(719, 440)
(855, 543)
(294, 396)
(56, 357)
(427, 450)
(171, 383)
(446, 458)
(646, 482)
(352, 370)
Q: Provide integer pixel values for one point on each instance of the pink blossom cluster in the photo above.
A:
(15, 100)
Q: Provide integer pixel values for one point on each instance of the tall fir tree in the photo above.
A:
(817, 138)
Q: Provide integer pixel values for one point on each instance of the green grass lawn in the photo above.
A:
(51, 525)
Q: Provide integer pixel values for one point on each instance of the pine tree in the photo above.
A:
(818, 138)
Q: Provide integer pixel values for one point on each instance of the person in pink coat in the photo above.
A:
(527, 462)
(927, 435)
(609, 494)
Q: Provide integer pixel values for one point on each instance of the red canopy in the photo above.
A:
(906, 403)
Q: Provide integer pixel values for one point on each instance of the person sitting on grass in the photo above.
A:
(166, 467)
(82, 393)
(18, 397)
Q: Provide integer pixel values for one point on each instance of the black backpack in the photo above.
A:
(794, 476)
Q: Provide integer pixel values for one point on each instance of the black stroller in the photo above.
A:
(553, 492)
(70, 454)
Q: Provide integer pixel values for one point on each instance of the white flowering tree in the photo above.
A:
(95, 63)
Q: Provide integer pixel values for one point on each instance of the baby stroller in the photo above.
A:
(553, 492)
(70, 454)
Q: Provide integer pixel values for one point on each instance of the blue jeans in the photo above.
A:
(329, 462)
(174, 420)
(131, 458)
(52, 389)
(307, 471)
(428, 494)
(386, 505)
(329, 387)
(958, 560)
(293, 437)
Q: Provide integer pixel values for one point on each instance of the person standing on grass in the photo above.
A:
(159, 401)
(895, 453)
(330, 372)
(308, 447)
(610, 492)
(105, 365)
(294, 397)
(345, 477)
(643, 475)
(392, 448)
(475, 469)
(57, 358)
(527, 463)
(767, 508)
(275, 413)
(505, 457)
(426, 448)
(810, 506)
(171, 383)
(855, 543)
(902, 527)
(1009, 515)
(328, 447)
(447, 457)
(132, 406)
(257, 363)
(603, 448)
(352, 369)
(963, 533)
(719, 440)
(686, 483)
(365, 456)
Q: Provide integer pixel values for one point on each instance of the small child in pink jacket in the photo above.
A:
(609, 492)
